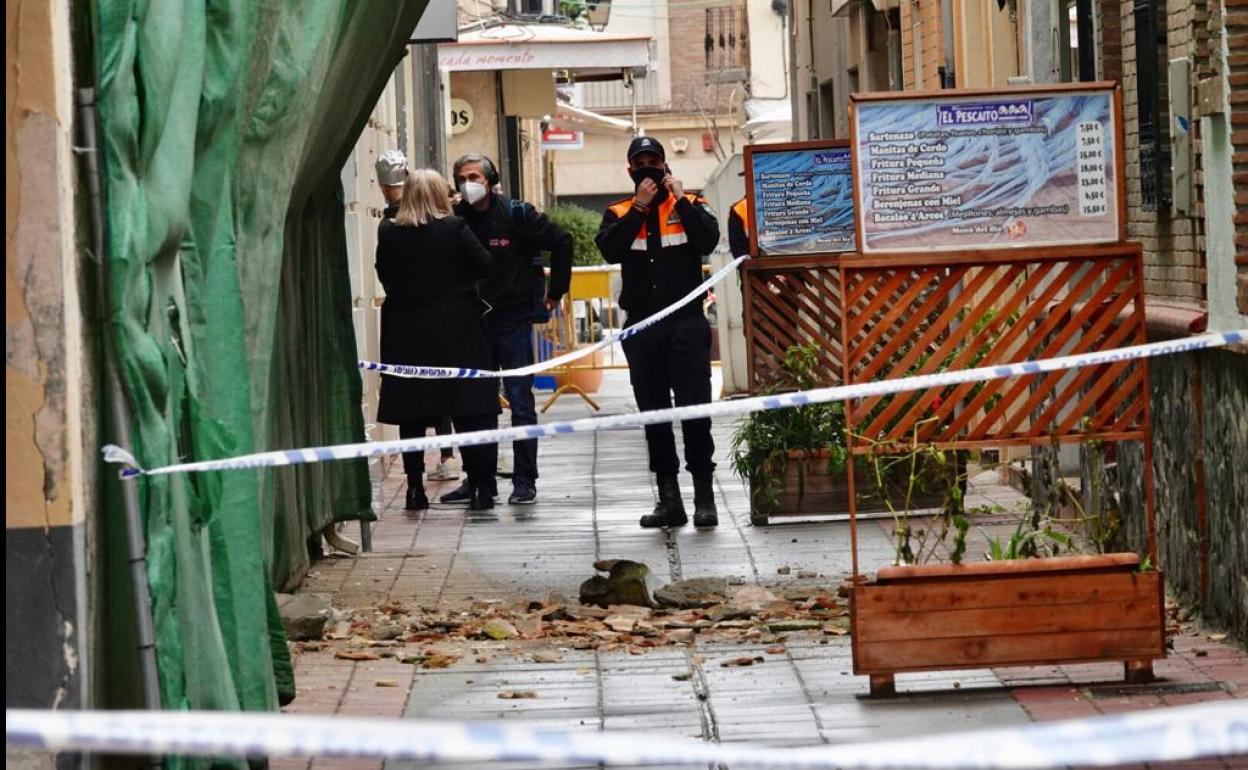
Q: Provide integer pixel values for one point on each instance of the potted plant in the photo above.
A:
(794, 460)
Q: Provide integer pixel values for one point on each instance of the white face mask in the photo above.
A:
(473, 192)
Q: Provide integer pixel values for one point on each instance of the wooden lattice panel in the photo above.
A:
(792, 301)
(911, 314)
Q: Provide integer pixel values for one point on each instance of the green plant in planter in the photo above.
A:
(914, 471)
(763, 440)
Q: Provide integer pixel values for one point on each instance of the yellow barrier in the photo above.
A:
(586, 314)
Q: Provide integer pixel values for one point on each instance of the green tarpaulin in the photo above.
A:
(224, 127)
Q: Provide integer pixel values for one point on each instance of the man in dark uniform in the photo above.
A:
(659, 237)
(515, 233)
(739, 229)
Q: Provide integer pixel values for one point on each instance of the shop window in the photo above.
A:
(1152, 95)
(1078, 41)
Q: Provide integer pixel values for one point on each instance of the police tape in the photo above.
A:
(115, 454)
(452, 372)
(1157, 735)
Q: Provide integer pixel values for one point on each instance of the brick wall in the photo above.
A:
(1109, 22)
(1236, 19)
(686, 28)
(1174, 262)
(932, 54)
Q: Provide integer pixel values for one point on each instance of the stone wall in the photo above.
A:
(1200, 448)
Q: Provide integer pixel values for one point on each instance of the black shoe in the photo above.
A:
(523, 492)
(670, 512)
(416, 499)
(461, 494)
(704, 512)
(482, 499)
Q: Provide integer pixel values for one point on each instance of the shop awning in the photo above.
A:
(584, 54)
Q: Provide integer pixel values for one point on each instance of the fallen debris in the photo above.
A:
(742, 661)
(304, 615)
(439, 636)
(694, 593)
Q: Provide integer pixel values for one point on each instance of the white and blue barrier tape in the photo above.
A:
(1156, 735)
(451, 372)
(115, 454)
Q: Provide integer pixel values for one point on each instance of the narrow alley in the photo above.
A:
(798, 688)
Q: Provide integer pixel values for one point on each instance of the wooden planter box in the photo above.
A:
(808, 488)
(1066, 609)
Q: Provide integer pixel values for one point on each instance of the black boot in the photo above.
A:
(704, 513)
(670, 512)
(482, 495)
(416, 499)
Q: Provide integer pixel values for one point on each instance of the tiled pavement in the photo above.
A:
(594, 486)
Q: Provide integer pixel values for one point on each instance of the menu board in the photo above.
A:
(803, 198)
(975, 171)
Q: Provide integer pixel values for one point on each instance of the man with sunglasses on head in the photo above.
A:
(515, 233)
(659, 236)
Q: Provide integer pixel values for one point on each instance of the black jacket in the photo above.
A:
(665, 263)
(512, 288)
(738, 230)
(433, 316)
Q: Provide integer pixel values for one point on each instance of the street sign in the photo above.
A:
(461, 116)
(562, 139)
(802, 198)
(988, 169)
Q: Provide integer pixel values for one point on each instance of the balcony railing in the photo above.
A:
(727, 45)
(612, 95)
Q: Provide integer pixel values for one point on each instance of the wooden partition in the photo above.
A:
(792, 301)
(922, 313)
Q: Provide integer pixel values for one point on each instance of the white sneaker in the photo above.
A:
(504, 465)
(446, 471)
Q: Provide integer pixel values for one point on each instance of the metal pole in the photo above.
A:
(136, 547)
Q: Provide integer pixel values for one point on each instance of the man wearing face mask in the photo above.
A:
(659, 237)
(515, 233)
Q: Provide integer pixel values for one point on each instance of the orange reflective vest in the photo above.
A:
(671, 229)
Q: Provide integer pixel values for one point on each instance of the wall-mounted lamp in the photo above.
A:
(597, 13)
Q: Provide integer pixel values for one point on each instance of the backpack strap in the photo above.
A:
(519, 216)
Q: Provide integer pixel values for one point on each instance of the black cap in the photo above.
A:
(645, 144)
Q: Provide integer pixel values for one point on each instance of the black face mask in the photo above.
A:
(649, 172)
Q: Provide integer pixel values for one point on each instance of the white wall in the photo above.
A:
(363, 206)
(646, 17)
(769, 72)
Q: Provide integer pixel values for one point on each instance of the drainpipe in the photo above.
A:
(916, 43)
(136, 547)
(949, 78)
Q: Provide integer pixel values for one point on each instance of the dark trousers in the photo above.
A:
(414, 462)
(674, 359)
(479, 461)
(512, 343)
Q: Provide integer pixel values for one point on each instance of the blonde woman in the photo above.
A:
(429, 263)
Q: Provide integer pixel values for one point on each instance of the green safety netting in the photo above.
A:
(224, 127)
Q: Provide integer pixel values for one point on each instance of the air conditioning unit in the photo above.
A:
(680, 144)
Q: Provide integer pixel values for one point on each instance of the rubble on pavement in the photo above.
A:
(441, 636)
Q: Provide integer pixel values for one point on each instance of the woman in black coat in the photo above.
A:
(429, 263)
